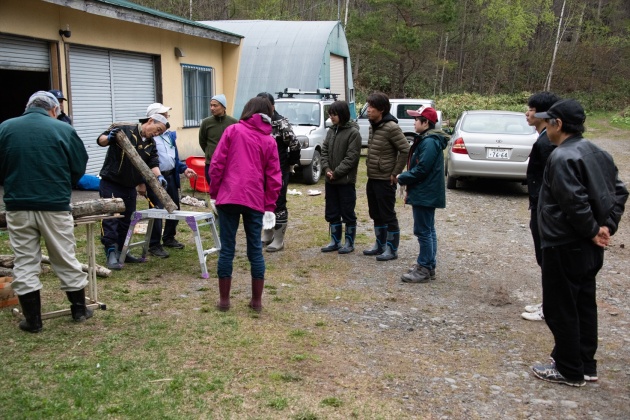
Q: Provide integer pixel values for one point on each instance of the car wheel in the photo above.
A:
(313, 171)
(410, 138)
(451, 183)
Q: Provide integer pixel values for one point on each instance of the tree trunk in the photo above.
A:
(555, 50)
(86, 208)
(146, 173)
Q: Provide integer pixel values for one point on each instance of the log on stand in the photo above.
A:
(146, 173)
(86, 208)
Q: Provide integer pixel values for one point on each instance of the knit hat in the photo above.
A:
(220, 98)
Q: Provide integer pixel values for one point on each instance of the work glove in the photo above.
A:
(269, 220)
(162, 181)
(111, 137)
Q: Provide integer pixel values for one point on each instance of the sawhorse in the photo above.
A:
(192, 218)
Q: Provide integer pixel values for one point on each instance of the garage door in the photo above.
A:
(23, 54)
(107, 86)
(338, 76)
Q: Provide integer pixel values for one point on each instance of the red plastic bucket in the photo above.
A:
(198, 164)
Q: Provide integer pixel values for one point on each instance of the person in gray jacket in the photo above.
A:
(340, 159)
(387, 154)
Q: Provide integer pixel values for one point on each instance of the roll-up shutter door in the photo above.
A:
(338, 76)
(24, 54)
(107, 86)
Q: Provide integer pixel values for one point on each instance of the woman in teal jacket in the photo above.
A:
(424, 181)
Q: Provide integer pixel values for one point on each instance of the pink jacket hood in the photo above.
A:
(245, 168)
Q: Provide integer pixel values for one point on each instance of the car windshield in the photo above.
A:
(496, 124)
(300, 113)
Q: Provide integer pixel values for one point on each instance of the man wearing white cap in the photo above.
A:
(171, 168)
(119, 178)
(212, 128)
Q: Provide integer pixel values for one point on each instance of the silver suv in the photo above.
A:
(308, 114)
(399, 108)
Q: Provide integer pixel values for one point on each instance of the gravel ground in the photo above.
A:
(457, 347)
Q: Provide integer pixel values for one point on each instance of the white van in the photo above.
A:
(399, 108)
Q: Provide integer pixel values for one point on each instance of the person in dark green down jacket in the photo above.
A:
(340, 159)
(424, 180)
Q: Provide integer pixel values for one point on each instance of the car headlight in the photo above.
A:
(303, 141)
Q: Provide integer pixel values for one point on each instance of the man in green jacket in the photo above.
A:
(41, 158)
(386, 157)
(212, 129)
(424, 180)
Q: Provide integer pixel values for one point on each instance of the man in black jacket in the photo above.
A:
(119, 178)
(538, 102)
(580, 205)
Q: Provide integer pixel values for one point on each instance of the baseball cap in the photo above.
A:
(157, 108)
(58, 94)
(568, 110)
(158, 118)
(426, 112)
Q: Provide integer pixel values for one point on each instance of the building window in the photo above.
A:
(197, 94)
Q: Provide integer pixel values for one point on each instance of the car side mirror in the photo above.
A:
(328, 123)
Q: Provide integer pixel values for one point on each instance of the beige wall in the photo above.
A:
(37, 19)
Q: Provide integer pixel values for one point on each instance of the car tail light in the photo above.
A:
(459, 147)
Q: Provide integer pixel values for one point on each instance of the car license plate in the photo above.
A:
(497, 154)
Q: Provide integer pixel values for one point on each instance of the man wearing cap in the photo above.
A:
(580, 205)
(542, 148)
(62, 115)
(40, 160)
(387, 152)
(424, 181)
(171, 168)
(119, 178)
(212, 129)
(289, 154)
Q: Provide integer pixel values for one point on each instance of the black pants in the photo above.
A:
(341, 200)
(170, 226)
(114, 231)
(282, 213)
(568, 276)
(533, 226)
(207, 174)
(381, 197)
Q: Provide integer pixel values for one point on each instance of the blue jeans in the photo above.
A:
(229, 218)
(424, 230)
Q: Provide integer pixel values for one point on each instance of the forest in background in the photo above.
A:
(432, 48)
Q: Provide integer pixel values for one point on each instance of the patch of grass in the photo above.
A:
(332, 402)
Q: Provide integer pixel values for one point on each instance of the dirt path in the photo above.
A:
(457, 347)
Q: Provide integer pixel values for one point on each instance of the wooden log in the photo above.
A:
(86, 208)
(7, 295)
(100, 270)
(6, 263)
(146, 173)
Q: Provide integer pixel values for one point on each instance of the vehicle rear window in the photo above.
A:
(497, 124)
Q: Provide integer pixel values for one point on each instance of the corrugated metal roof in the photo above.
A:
(157, 18)
(279, 54)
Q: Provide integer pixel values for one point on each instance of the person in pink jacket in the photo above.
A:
(246, 181)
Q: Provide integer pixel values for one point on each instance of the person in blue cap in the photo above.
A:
(62, 115)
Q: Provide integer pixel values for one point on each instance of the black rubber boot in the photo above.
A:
(348, 246)
(225, 284)
(335, 238)
(32, 310)
(381, 239)
(391, 248)
(112, 257)
(80, 312)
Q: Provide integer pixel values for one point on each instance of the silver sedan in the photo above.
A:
(489, 144)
